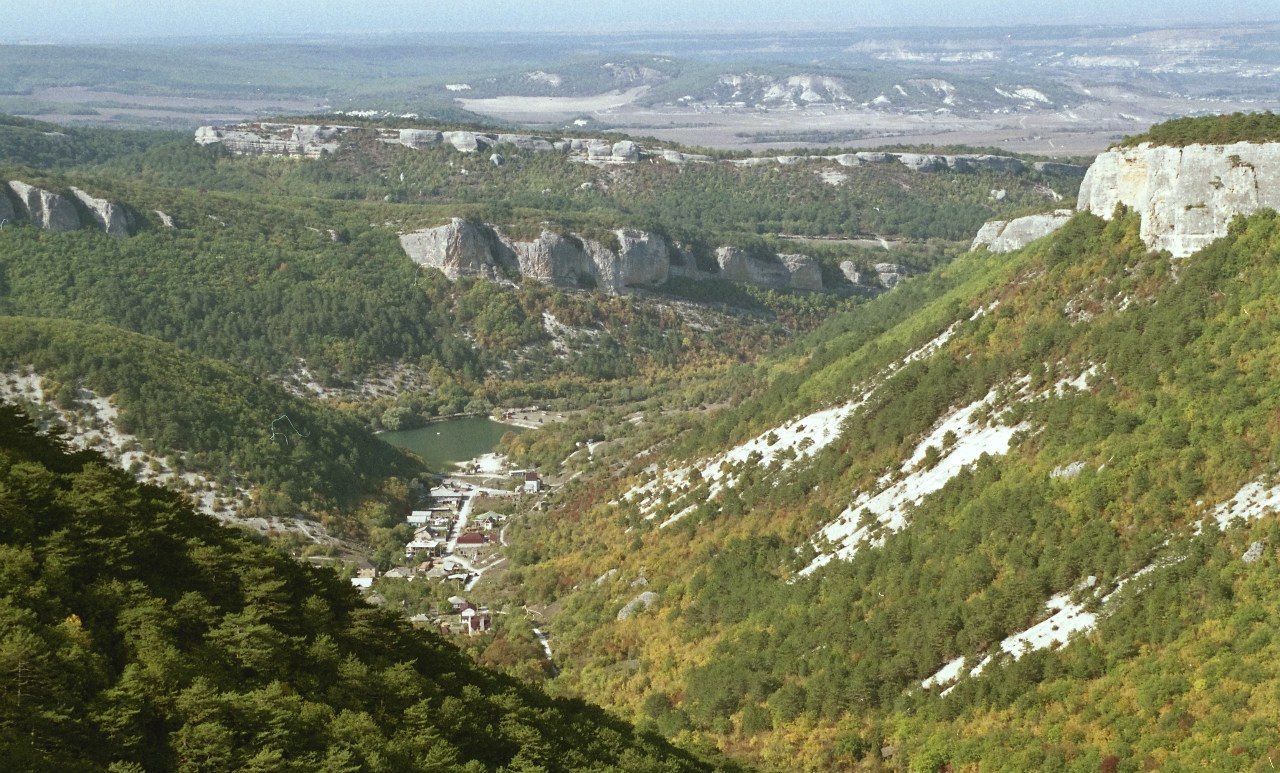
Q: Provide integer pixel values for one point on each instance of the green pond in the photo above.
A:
(444, 443)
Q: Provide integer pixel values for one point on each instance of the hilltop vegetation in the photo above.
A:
(49, 146)
(698, 202)
(138, 635)
(1210, 130)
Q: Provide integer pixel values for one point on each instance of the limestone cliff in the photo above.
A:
(46, 210)
(109, 216)
(739, 265)
(1186, 196)
(806, 273)
(275, 139)
(629, 259)
(1010, 235)
(556, 259)
(642, 260)
(459, 249)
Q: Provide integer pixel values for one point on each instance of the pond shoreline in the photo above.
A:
(449, 441)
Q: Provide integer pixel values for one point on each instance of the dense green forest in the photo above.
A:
(49, 146)
(138, 635)
(1210, 130)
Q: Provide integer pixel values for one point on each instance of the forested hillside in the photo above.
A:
(208, 418)
(816, 591)
(138, 635)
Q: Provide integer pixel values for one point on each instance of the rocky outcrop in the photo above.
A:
(1010, 235)
(275, 139)
(850, 271)
(468, 142)
(625, 152)
(806, 273)
(918, 162)
(637, 604)
(642, 260)
(526, 142)
(874, 157)
(739, 265)
(1186, 196)
(46, 210)
(416, 139)
(599, 150)
(889, 274)
(627, 259)
(557, 259)
(459, 249)
(676, 157)
(778, 272)
(109, 216)
(963, 163)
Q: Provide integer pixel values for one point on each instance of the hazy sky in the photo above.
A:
(82, 19)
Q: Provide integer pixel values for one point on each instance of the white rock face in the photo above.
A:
(1010, 235)
(467, 142)
(458, 249)
(738, 265)
(556, 259)
(109, 216)
(676, 157)
(526, 142)
(874, 157)
(47, 211)
(275, 139)
(921, 163)
(889, 274)
(638, 604)
(850, 271)
(625, 152)
(419, 139)
(642, 260)
(599, 150)
(1186, 196)
(806, 273)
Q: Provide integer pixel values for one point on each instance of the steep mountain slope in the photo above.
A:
(138, 635)
(247, 450)
(1050, 454)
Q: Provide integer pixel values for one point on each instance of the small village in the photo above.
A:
(453, 546)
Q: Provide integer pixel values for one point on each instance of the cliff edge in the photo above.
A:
(1186, 196)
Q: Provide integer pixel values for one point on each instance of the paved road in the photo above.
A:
(463, 516)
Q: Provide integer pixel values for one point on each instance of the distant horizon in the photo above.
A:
(145, 21)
